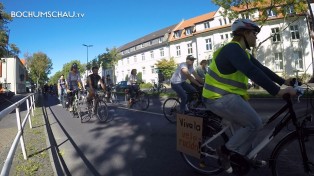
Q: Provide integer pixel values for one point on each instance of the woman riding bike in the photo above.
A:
(73, 84)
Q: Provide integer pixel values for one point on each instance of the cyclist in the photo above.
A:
(73, 84)
(225, 89)
(179, 84)
(201, 70)
(92, 82)
(133, 85)
(61, 87)
(109, 85)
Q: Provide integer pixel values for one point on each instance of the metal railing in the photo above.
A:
(30, 103)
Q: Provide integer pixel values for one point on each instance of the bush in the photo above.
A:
(146, 85)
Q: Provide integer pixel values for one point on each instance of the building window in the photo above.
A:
(298, 60)
(135, 59)
(152, 68)
(278, 62)
(144, 71)
(143, 56)
(294, 32)
(188, 31)
(162, 53)
(221, 37)
(178, 50)
(177, 34)
(225, 20)
(290, 9)
(220, 22)
(160, 40)
(276, 34)
(190, 49)
(206, 25)
(226, 36)
(152, 54)
(271, 13)
(208, 44)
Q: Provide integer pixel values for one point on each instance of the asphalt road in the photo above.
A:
(132, 143)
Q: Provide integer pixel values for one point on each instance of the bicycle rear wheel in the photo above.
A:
(170, 108)
(162, 89)
(208, 163)
(286, 159)
(143, 100)
(102, 111)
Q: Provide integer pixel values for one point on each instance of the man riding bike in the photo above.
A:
(225, 89)
(183, 72)
(92, 82)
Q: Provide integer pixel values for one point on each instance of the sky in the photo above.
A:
(101, 23)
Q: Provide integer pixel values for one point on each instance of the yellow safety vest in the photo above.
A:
(218, 84)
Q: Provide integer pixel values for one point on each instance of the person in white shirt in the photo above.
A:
(133, 84)
(184, 72)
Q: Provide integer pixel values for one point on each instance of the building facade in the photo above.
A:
(13, 75)
(284, 44)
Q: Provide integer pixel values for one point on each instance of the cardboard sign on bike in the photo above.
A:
(189, 134)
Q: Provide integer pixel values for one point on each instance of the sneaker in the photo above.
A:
(258, 163)
(224, 160)
(71, 109)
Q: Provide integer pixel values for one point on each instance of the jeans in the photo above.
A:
(61, 92)
(181, 89)
(238, 111)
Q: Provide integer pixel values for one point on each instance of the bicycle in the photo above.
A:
(172, 105)
(76, 104)
(159, 88)
(98, 107)
(216, 132)
(111, 96)
(140, 99)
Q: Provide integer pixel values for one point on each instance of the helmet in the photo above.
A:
(244, 24)
(74, 65)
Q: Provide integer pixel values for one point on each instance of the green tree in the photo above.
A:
(167, 67)
(39, 65)
(109, 59)
(139, 77)
(54, 79)
(6, 49)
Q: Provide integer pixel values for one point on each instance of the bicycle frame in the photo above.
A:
(273, 133)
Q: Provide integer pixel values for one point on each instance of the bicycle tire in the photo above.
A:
(286, 158)
(162, 89)
(208, 163)
(170, 108)
(143, 100)
(87, 116)
(102, 111)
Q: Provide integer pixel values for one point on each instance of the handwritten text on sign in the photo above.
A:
(189, 134)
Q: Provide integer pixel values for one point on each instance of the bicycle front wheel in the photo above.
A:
(208, 163)
(170, 108)
(102, 111)
(287, 159)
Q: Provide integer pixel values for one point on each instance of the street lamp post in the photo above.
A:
(87, 46)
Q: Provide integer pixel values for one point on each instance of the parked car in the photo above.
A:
(121, 86)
